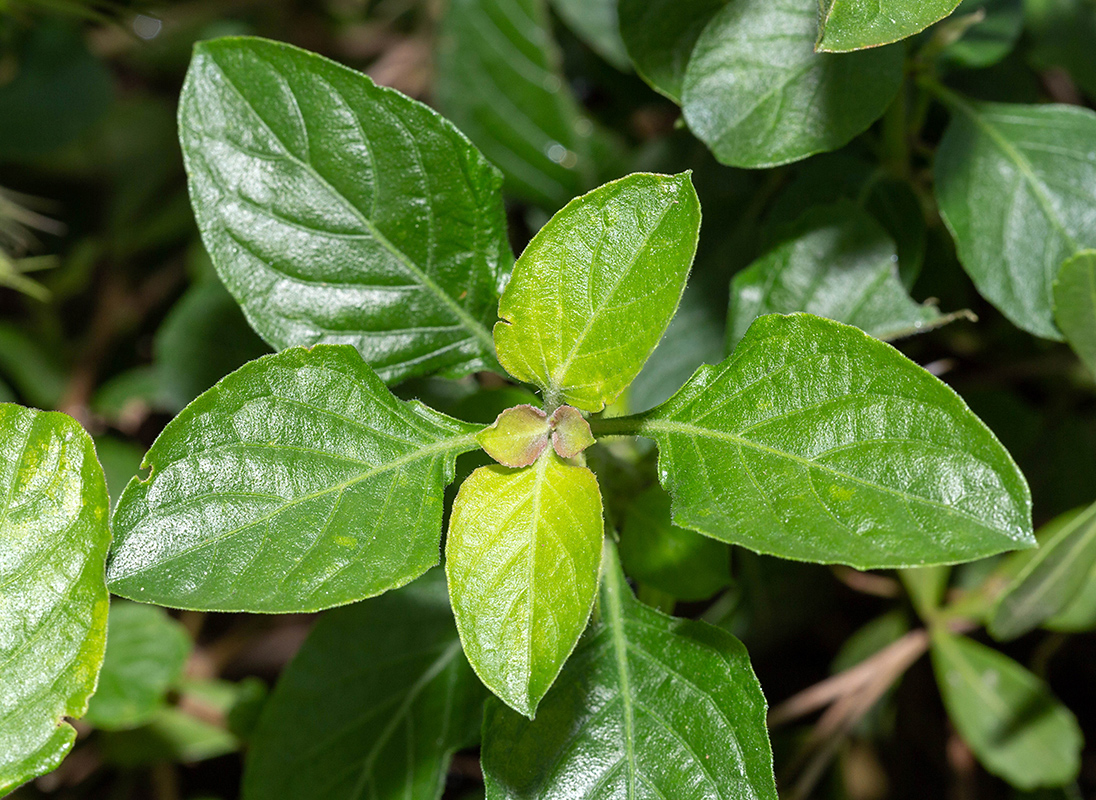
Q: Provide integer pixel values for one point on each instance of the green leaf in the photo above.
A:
(1014, 187)
(595, 22)
(522, 556)
(660, 35)
(1061, 33)
(816, 442)
(857, 24)
(657, 553)
(1053, 579)
(297, 483)
(203, 338)
(837, 262)
(171, 736)
(758, 95)
(595, 289)
(372, 706)
(500, 79)
(1075, 305)
(54, 534)
(517, 437)
(1080, 615)
(120, 460)
(340, 212)
(992, 38)
(648, 706)
(1006, 715)
(32, 366)
(146, 651)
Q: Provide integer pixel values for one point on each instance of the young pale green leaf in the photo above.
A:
(54, 536)
(1053, 579)
(816, 442)
(595, 21)
(660, 35)
(297, 483)
(595, 289)
(500, 79)
(837, 262)
(517, 437)
(857, 24)
(522, 556)
(758, 95)
(341, 212)
(988, 39)
(648, 706)
(1075, 305)
(1014, 187)
(372, 707)
(146, 651)
(1006, 715)
(656, 552)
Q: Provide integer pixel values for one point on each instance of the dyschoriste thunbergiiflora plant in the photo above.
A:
(365, 239)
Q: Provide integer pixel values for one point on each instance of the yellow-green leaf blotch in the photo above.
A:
(522, 557)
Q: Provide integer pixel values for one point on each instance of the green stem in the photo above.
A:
(895, 135)
(617, 426)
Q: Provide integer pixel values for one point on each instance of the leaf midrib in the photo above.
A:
(444, 447)
(615, 619)
(478, 329)
(654, 425)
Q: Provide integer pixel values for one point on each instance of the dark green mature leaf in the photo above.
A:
(1053, 579)
(522, 557)
(1006, 715)
(54, 534)
(656, 552)
(595, 289)
(660, 35)
(595, 21)
(758, 95)
(500, 79)
(1080, 615)
(1075, 305)
(857, 24)
(1014, 187)
(297, 483)
(648, 706)
(146, 651)
(372, 707)
(837, 262)
(203, 338)
(341, 212)
(816, 442)
(988, 41)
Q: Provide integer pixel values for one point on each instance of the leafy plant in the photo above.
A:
(606, 408)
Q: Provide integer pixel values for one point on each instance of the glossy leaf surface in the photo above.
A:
(837, 262)
(522, 557)
(1014, 187)
(1006, 715)
(297, 483)
(816, 442)
(660, 35)
(54, 534)
(595, 21)
(500, 79)
(648, 706)
(1075, 306)
(321, 199)
(856, 24)
(146, 651)
(657, 553)
(372, 706)
(758, 95)
(1053, 579)
(595, 289)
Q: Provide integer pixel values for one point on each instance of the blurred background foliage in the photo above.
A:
(110, 311)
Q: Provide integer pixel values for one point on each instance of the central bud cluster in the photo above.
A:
(521, 434)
